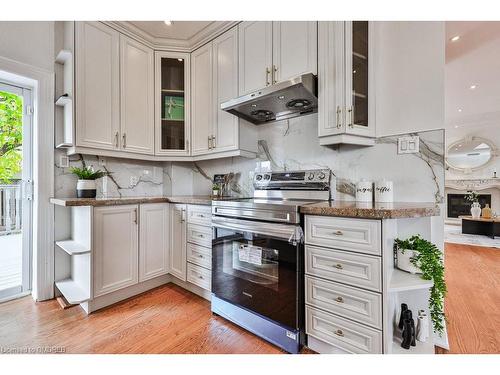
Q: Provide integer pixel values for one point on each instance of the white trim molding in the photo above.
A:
(202, 37)
(41, 81)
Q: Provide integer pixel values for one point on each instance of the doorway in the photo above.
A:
(16, 190)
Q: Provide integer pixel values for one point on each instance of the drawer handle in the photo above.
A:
(200, 277)
(339, 332)
(339, 299)
(338, 233)
(338, 266)
(201, 235)
(200, 255)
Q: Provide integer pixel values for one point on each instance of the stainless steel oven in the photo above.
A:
(257, 262)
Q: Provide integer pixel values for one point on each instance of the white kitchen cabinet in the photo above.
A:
(178, 240)
(137, 96)
(225, 87)
(255, 55)
(172, 98)
(115, 248)
(214, 70)
(346, 83)
(201, 88)
(97, 84)
(272, 52)
(154, 244)
(294, 49)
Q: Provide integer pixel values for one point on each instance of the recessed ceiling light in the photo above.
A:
(455, 38)
(460, 110)
(168, 23)
(473, 87)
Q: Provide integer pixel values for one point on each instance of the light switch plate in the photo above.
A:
(409, 145)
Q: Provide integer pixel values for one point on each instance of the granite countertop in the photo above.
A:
(95, 202)
(396, 210)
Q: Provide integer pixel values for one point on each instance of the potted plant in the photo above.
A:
(86, 186)
(428, 260)
(215, 190)
(475, 209)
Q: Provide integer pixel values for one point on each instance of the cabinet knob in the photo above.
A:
(338, 233)
(339, 332)
(338, 266)
(339, 299)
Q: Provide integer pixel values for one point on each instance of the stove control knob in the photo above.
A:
(267, 177)
(258, 177)
(310, 176)
(321, 176)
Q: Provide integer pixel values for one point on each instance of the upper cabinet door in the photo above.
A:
(137, 97)
(359, 83)
(202, 107)
(331, 97)
(225, 87)
(172, 128)
(294, 49)
(255, 55)
(154, 240)
(97, 86)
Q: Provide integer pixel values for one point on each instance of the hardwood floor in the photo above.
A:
(473, 301)
(168, 319)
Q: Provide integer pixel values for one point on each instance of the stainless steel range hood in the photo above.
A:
(281, 101)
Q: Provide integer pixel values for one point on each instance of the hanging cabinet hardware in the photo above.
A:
(124, 140)
(268, 71)
(183, 215)
(135, 215)
(275, 73)
(213, 141)
(339, 112)
(116, 139)
(209, 142)
(350, 110)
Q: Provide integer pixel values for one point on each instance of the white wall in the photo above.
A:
(28, 42)
(410, 61)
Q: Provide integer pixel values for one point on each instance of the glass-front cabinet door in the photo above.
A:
(172, 103)
(359, 84)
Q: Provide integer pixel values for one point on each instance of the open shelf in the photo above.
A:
(73, 247)
(73, 293)
(421, 348)
(63, 100)
(402, 281)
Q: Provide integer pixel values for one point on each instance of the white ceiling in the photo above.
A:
(472, 60)
(183, 30)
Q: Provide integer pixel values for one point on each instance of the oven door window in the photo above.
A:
(256, 272)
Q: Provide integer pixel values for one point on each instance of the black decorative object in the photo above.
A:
(407, 336)
(404, 307)
(409, 332)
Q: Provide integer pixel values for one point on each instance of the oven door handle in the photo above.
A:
(287, 232)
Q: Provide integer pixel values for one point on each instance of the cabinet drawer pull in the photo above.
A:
(200, 277)
(209, 142)
(338, 233)
(124, 140)
(338, 266)
(339, 112)
(268, 71)
(339, 299)
(339, 332)
(200, 256)
(116, 140)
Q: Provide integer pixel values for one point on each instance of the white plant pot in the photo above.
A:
(475, 210)
(86, 189)
(404, 261)
(422, 327)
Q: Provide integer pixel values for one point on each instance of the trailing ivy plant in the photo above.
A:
(429, 259)
(88, 173)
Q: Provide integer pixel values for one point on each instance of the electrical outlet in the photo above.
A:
(409, 145)
(64, 161)
(134, 180)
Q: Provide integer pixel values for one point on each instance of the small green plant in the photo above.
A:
(88, 173)
(472, 196)
(216, 187)
(430, 261)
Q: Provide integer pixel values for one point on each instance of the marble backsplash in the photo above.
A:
(286, 145)
(292, 145)
(126, 178)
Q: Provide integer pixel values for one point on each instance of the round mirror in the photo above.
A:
(470, 154)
